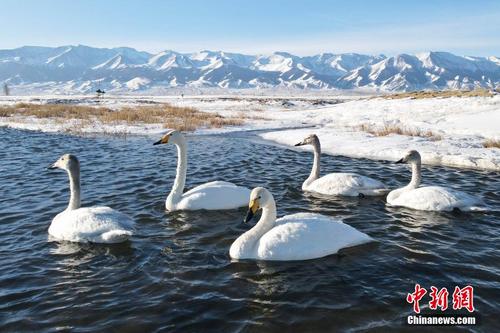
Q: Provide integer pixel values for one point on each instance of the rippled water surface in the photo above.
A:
(175, 275)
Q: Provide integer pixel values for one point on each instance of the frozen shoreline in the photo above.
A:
(462, 124)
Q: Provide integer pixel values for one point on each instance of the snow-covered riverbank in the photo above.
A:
(459, 126)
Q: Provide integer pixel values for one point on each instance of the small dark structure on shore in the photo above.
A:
(100, 92)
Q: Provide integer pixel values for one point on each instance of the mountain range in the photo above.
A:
(83, 69)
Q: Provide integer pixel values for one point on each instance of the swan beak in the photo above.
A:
(252, 209)
(249, 216)
(299, 144)
(51, 167)
(400, 161)
(163, 140)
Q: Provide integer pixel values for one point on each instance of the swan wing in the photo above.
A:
(307, 236)
(217, 183)
(215, 195)
(92, 224)
(437, 198)
(347, 184)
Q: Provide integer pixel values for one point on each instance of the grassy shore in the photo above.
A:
(400, 130)
(491, 143)
(180, 118)
(440, 93)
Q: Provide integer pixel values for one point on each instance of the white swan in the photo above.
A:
(87, 224)
(431, 198)
(210, 196)
(343, 184)
(299, 236)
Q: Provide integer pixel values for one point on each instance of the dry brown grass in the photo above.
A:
(180, 118)
(400, 130)
(440, 93)
(491, 143)
(244, 115)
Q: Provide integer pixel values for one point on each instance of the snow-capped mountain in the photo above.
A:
(429, 70)
(80, 69)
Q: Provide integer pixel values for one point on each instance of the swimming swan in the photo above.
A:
(299, 236)
(431, 198)
(211, 196)
(87, 224)
(343, 184)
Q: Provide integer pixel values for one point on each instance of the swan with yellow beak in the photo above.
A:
(217, 195)
(299, 236)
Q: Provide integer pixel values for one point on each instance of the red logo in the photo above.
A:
(416, 297)
(462, 298)
(438, 298)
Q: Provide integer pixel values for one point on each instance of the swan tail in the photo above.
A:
(375, 192)
(382, 191)
(116, 236)
(479, 208)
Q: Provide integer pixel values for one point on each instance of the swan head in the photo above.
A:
(173, 136)
(410, 157)
(66, 162)
(309, 140)
(259, 197)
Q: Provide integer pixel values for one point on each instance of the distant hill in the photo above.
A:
(83, 69)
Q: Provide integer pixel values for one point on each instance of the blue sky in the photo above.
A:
(301, 27)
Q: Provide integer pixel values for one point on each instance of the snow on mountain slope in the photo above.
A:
(79, 69)
(137, 83)
(80, 57)
(30, 55)
(169, 59)
(113, 63)
(429, 70)
(339, 64)
(277, 62)
(119, 61)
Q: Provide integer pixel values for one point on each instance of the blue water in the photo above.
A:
(175, 275)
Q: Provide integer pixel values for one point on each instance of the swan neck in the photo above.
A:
(74, 187)
(316, 163)
(266, 223)
(416, 174)
(267, 219)
(180, 177)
